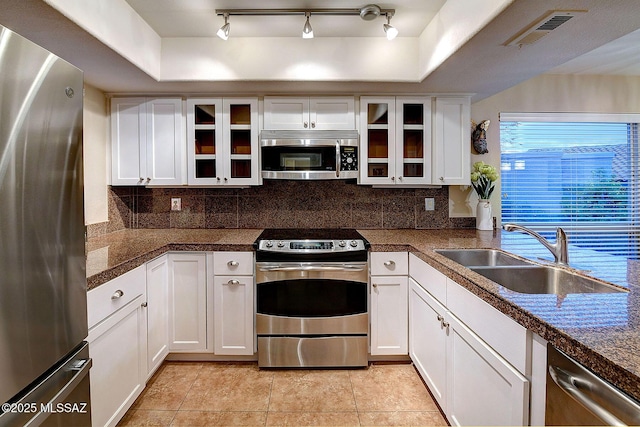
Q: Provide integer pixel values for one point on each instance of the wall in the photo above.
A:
(545, 93)
(283, 204)
(95, 122)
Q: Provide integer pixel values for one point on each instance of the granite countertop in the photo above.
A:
(601, 331)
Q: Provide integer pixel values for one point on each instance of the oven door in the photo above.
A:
(311, 298)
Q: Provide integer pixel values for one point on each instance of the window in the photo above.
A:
(575, 171)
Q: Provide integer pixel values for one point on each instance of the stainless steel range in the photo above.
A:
(312, 298)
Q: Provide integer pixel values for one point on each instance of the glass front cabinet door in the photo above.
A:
(223, 141)
(395, 140)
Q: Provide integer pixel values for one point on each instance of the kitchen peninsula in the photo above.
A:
(609, 349)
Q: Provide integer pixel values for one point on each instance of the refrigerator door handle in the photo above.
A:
(81, 366)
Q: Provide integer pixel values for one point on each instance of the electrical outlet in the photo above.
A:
(429, 204)
(176, 204)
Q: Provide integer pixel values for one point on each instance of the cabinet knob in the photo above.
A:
(389, 263)
(217, 178)
(225, 179)
(400, 178)
(117, 294)
(141, 180)
(233, 282)
(374, 285)
(233, 263)
(440, 318)
(144, 304)
(313, 124)
(306, 125)
(393, 178)
(441, 178)
(148, 180)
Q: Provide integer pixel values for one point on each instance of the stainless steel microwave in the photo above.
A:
(309, 154)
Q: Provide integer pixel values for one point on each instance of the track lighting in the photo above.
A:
(223, 32)
(307, 31)
(389, 29)
(366, 13)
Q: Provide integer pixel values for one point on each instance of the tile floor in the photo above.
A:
(240, 394)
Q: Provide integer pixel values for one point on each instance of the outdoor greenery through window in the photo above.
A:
(575, 171)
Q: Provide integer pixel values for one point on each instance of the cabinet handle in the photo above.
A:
(217, 178)
(440, 319)
(400, 178)
(306, 125)
(148, 180)
(389, 263)
(233, 282)
(393, 178)
(233, 263)
(144, 304)
(313, 124)
(374, 285)
(117, 294)
(225, 179)
(141, 180)
(441, 178)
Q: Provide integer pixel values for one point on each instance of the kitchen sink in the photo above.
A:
(481, 257)
(535, 279)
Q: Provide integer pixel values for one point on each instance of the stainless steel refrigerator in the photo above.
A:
(44, 361)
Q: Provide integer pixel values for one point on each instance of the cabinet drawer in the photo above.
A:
(389, 263)
(429, 278)
(233, 263)
(115, 294)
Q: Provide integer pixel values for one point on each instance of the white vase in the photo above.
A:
(484, 219)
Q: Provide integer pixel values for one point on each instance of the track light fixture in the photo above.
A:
(307, 31)
(389, 29)
(223, 32)
(367, 13)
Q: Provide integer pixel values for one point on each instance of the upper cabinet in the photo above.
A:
(452, 152)
(222, 141)
(316, 113)
(147, 141)
(395, 140)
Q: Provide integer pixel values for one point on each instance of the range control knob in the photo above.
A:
(342, 243)
(281, 244)
(269, 244)
(353, 243)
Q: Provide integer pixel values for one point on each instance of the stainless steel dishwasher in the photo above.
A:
(575, 396)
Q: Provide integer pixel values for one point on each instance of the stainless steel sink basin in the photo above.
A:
(534, 279)
(481, 257)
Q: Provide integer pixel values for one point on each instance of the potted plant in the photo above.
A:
(483, 178)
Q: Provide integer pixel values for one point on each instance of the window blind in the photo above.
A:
(578, 172)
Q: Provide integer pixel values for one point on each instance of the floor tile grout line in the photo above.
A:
(353, 392)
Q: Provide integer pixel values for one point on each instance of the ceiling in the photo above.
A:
(604, 40)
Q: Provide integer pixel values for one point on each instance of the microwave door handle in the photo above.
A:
(337, 159)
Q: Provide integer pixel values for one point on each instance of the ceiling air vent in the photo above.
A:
(542, 27)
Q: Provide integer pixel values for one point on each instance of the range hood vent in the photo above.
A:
(542, 27)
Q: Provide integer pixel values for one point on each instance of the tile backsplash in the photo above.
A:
(282, 204)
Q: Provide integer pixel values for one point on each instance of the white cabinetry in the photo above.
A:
(117, 344)
(319, 113)
(187, 302)
(452, 145)
(157, 312)
(477, 376)
(222, 141)
(389, 303)
(395, 140)
(233, 309)
(147, 141)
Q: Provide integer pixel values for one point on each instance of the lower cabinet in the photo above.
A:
(470, 380)
(389, 318)
(187, 302)
(157, 312)
(233, 315)
(428, 341)
(117, 345)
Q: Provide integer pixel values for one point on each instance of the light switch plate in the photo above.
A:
(176, 204)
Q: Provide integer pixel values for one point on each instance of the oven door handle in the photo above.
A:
(312, 268)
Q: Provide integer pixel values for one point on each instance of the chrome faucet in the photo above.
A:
(559, 249)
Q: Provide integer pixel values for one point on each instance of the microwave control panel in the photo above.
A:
(349, 158)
